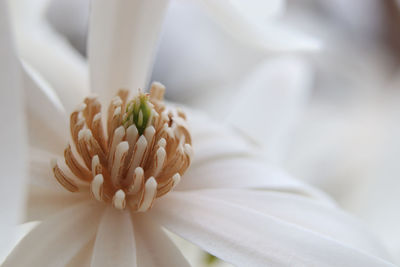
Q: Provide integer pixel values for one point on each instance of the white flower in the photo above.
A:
(219, 204)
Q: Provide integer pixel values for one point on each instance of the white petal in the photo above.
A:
(12, 134)
(70, 18)
(244, 172)
(269, 103)
(154, 247)
(51, 55)
(44, 202)
(306, 213)
(211, 140)
(47, 120)
(83, 257)
(247, 238)
(55, 241)
(240, 23)
(122, 39)
(259, 10)
(115, 240)
(40, 172)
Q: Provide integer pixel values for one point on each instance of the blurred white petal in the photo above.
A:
(48, 52)
(12, 134)
(42, 106)
(71, 19)
(57, 239)
(154, 247)
(269, 102)
(122, 40)
(241, 24)
(115, 240)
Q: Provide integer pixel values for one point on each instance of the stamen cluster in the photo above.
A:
(139, 156)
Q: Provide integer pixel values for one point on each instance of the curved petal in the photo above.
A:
(247, 238)
(115, 240)
(12, 133)
(51, 55)
(55, 241)
(45, 195)
(245, 172)
(259, 10)
(154, 247)
(222, 158)
(43, 202)
(47, 120)
(306, 213)
(269, 102)
(83, 257)
(122, 39)
(40, 173)
(242, 24)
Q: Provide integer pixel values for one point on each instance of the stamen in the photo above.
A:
(149, 194)
(80, 171)
(94, 147)
(140, 155)
(115, 122)
(83, 149)
(137, 156)
(96, 187)
(62, 178)
(176, 178)
(119, 134)
(162, 142)
(115, 103)
(118, 200)
(96, 166)
(132, 135)
(117, 167)
(159, 161)
(98, 132)
(157, 91)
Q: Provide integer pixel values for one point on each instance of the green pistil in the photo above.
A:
(138, 112)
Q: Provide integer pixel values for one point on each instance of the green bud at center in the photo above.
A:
(138, 112)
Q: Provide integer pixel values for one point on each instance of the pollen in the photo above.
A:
(137, 154)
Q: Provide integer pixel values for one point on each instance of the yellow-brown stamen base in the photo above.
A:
(116, 163)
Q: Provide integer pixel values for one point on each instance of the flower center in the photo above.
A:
(139, 156)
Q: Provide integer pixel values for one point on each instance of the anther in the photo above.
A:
(118, 200)
(150, 192)
(96, 187)
(118, 166)
(62, 178)
(137, 181)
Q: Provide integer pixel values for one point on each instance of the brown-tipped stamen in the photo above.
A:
(139, 156)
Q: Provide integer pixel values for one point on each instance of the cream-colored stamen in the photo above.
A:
(140, 155)
(96, 187)
(96, 166)
(117, 167)
(118, 200)
(137, 181)
(149, 194)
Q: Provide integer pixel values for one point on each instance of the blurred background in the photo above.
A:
(336, 122)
